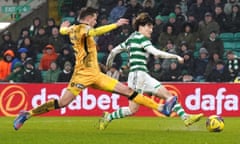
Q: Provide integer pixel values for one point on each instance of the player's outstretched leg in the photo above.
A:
(122, 112)
(44, 108)
(20, 119)
(188, 119)
(192, 118)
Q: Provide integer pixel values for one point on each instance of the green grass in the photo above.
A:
(134, 130)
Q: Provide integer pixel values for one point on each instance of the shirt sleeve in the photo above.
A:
(161, 54)
(101, 30)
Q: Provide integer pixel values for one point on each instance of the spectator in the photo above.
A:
(113, 72)
(28, 44)
(21, 56)
(187, 36)
(103, 20)
(186, 77)
(209, 5)
(217, 3)
(105, 6)
(212, 63)
(36, 24)
(219, 73)
(170, 47)
(117, 12)
(49, 55)
(214, 45)
(17, 73)
(8, 43)
(104, 41)
(56, 39)
(200, 65)
(149, 7)
(133, 9)
(167, 34)
(233, 65)
(198, 9)
(52, 74)
(228, 6)
(50, 24)
(194, 23)
(118, 59)
(190, 3)
(66, 54)
(40, 40)
(174, 72)
(24, 33)
(31, 74)
(5, 64)
(221, 18)
(188, 65)
(206, 26)
(167, 6)
(180, 16)
(177, 25)
(183, 48)
(66, 73)
(157, 29)
(233, 20)
(157, 71)
(123, 34)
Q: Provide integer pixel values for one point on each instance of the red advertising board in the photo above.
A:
(208, 98)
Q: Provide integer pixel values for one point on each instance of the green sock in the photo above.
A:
(180, 111)
(120, 113)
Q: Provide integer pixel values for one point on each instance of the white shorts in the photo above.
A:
(142, 82)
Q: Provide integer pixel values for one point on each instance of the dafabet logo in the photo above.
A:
(13, 98)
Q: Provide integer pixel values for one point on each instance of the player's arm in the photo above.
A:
(65, 28)
(101, 30)
(107, 28)
(118, 49)
(162, 54)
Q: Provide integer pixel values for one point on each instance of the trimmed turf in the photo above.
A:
(134, 130)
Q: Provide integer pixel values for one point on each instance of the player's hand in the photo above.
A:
(122, 21)
(65, 24)
(180, 60)
(109, 64)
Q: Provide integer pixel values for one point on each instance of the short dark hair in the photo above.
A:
(86, 11)
(141, 20)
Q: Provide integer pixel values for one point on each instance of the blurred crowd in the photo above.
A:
(189, 28)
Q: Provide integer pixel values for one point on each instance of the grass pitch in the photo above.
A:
(134, 130)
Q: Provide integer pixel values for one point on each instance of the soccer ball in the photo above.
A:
(215, 123)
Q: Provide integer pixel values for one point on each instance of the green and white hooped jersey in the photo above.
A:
(139, 47)
(136, 46)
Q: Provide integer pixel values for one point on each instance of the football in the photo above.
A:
(215, 123)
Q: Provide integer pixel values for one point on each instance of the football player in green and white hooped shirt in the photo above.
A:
(139, 46)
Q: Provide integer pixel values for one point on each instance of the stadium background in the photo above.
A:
(21, 13)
